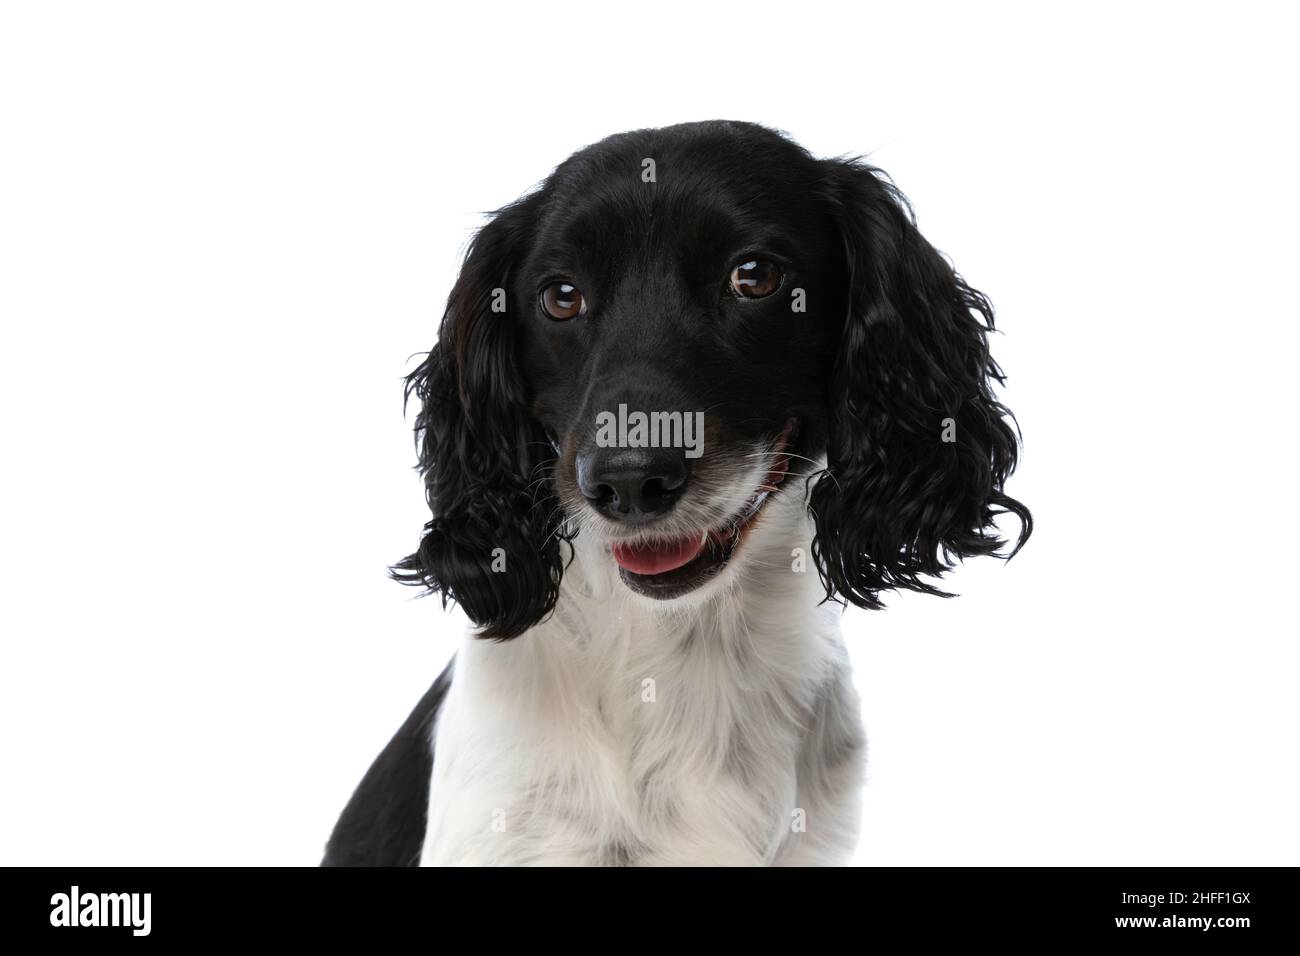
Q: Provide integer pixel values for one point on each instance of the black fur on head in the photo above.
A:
(919, 447)
(494, 543)
(886, 373)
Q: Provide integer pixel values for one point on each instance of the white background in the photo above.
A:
(225, 227)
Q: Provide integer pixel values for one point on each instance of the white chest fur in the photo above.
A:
(618, 733)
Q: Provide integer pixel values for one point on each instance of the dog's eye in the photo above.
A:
(563, 301)
(755, 279)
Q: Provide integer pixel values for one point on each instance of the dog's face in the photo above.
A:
(699, 304)
(676, 328)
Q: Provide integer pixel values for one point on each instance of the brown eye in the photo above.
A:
(755, 279)
(563, 301)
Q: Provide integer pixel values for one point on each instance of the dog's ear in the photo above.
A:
(493, 543)
(918, 446)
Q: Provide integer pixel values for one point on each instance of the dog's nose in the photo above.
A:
(632, 484)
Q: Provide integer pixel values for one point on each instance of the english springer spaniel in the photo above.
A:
(690, 397)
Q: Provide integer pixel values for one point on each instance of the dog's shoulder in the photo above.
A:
(384, 822)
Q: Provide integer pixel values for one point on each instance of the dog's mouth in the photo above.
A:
(666, 568)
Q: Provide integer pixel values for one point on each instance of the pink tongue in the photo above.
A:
(657, 558)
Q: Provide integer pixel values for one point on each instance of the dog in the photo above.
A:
(690, 397)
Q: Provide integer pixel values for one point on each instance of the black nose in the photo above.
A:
(632, 484)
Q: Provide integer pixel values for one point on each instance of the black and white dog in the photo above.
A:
(690, 388)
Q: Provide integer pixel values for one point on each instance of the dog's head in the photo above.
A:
(679, 326)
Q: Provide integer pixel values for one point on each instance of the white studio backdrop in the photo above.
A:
(224, 229)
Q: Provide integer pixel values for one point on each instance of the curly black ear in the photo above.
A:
(493, 544)
(919, 448)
